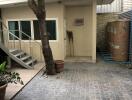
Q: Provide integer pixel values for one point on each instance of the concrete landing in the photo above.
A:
(26, 75)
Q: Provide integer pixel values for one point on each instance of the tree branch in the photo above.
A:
(38, 8)
(41, 4)
(41, 7)
(32, 4)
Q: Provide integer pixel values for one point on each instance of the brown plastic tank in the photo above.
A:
(112, 36)
(120, 40)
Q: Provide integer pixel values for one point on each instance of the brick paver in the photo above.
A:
(82, 81)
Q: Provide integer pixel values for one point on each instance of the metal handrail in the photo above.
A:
(30, 38)
(3, 24)
(14, 36)
(27, 36)
(19, 31)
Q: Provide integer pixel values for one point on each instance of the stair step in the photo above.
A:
(12, 50)
(30, 62)
(19, 54)
(25, 57)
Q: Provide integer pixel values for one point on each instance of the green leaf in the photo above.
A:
(3, 67)
(17, 74)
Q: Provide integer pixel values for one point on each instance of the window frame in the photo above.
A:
(32, 29)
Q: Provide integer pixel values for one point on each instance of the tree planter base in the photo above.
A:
(59, 65)
(53, 72)
(2, 92)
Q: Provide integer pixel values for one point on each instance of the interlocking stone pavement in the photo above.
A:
(82, 81)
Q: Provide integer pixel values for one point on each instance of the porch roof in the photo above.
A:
(6, 3)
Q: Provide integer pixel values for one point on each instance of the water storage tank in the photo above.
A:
(120, 40)
(112, 29)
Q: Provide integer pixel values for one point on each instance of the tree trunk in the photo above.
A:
(48, 56)
(39, 10)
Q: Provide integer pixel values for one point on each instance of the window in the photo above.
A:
(31, 28)
(50, 28)
(25, 26)
(13, 27)
(36, 30)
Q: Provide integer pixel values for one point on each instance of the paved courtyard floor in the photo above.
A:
(82, 81)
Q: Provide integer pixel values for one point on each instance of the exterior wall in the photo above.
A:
(111, 12)
(102, 20)
(85, 36)
(94, 30)
(53, 11)
(127, 5)
(82, 34)
(115, 6)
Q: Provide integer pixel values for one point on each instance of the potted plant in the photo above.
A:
(59, 65)
(7, 77)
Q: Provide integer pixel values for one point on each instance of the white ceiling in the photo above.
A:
(5, 3)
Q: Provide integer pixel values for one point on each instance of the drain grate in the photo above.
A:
(107, 57)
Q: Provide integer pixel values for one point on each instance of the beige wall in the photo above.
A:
(102, 20)
(53, 11)
(82, 34)
(94, 30)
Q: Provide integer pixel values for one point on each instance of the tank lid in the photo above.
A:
(119, 20)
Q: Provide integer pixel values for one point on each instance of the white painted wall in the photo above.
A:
(86, 33)
(127, 5)
(116, 6)
(82, 35)
(24, 12)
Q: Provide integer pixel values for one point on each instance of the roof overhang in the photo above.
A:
(8, 3)
(103, 2)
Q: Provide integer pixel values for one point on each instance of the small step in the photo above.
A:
(30, 62)
(25, 57)
(19, 54)
(13, 50)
